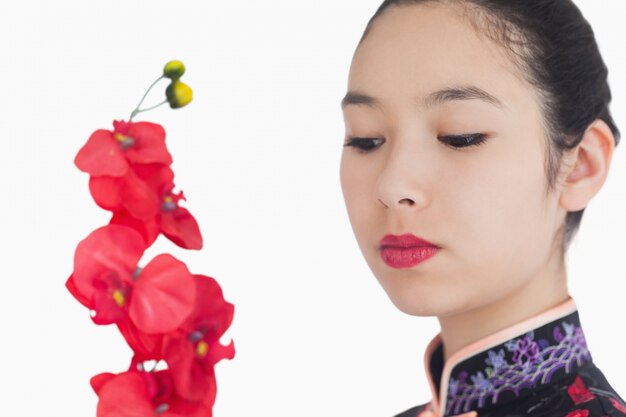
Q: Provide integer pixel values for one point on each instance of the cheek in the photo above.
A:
(500, 204)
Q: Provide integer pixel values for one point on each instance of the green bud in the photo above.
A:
(178, 94)
(174, 69)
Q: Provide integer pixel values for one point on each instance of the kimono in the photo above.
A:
(538, 367)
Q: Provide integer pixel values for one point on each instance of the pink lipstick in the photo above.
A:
(405, 251)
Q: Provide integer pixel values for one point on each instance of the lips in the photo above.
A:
(406, 240)
(406, 251)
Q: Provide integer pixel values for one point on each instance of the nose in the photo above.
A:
(403, 182)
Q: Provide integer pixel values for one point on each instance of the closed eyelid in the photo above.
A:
(469, 140)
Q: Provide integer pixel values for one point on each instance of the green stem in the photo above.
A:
(146, 109)
(155, 366)
(144, 97)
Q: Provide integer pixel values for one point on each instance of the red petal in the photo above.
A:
(140, 201)
(149, 230)
(145, 346)
(193, 380)
(125, 395)
(179, 354)
(184, 408)
(106, 308)
(149, 144)
(134, 394)
(164, 295)
(178, 407)
(162, 381)
(211, 310)
(159, 177)
(121, 126)
(109, 248)
(106, 191)
(217, 352)
(181, 228)
(98, 381)
(101, 155)
(194, 377)
(69, 284)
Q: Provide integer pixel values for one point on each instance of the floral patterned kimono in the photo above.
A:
(538, 367)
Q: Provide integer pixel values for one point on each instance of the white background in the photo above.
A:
(257, 154)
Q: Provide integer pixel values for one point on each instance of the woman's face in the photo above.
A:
(484, 205)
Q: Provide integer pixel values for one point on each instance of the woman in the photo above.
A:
(477, 132)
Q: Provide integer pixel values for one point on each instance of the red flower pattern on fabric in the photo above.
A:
(578, 391)
(578, 413)
(618, 405)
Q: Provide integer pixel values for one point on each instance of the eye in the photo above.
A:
(464, 141)
(364, 145)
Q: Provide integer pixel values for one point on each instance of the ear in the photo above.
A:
(587, 166)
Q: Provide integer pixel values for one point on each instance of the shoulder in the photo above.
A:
(413, 411)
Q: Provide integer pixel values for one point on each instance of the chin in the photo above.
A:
(422, 305)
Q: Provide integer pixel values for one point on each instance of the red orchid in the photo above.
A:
(127, 192)
(156, 299)
(578, 391)
(107, 157)
(145, 346)
(162, 310)
(194, 349)
(174, 221)
(109, 152)
(145, 394)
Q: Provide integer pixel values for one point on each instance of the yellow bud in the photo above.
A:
(202, 348)
(174, 69)
(178, 94)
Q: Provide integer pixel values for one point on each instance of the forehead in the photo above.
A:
(413, 50)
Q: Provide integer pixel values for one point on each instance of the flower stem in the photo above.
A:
(155, 366)
(144, 97)
(146, 109)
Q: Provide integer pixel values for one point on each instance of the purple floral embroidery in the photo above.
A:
(496, 359)
(526, 350)
(558, 336)
(532, 362)
(482, 383)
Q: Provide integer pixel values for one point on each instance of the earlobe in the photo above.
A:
(590, 166)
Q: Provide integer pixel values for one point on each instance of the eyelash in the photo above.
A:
(467, 141)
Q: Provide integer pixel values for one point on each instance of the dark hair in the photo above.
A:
(555, 48)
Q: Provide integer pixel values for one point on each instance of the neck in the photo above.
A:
(546, 290)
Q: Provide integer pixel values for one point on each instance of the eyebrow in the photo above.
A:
(466, 92)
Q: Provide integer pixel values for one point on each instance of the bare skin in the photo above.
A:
(483, 205)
